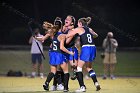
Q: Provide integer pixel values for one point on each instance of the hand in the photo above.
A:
(46, 25)
(71, 53)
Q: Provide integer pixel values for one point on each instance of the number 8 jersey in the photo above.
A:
(86, 38)
(88, 50)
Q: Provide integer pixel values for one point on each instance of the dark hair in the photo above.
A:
(85, 21)
(58, 23)
(73, 19)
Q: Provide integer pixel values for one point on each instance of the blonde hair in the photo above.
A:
(88, 19)
(85, 21)
(53, 28)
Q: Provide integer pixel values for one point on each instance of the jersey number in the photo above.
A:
(89, 38)
(54, 45)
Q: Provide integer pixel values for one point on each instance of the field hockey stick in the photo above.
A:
(73, 66)
(73, 58)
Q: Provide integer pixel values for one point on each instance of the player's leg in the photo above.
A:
(55, 59)
(50, 76)
(79, 75)
(59, 78)
(64, 66)
(81, 61)
(85, 73)
(54, 86)
(88, 61)
(92, 75)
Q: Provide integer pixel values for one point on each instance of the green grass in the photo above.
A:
(128, 62)
(30, 85)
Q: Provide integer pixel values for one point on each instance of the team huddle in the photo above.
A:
(63, 51)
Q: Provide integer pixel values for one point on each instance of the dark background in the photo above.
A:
(119, 16)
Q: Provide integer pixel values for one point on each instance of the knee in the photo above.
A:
(79, 69)
(88, 69)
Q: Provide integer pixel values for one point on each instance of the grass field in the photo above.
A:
(29, 85)
(128, 66)
(128, 62)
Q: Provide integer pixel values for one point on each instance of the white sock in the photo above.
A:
(41, 74)
(33, 73)
(96, 83)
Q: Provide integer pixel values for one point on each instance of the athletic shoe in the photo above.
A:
(112, 77)
(41, 75)
(53, 88)
(97, 86)
(104, 77)
(66, 90)
(60, 87)
(82, 89)
(31, 76)
(46, 87)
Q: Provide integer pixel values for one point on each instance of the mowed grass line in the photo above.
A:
(30, 85)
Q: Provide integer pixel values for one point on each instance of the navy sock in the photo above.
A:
(66, 80)
(49, 78)
(93, 76)
(80, 78)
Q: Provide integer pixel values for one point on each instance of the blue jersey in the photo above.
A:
(71, 47)
(56, 43)
(56, 55)
(86, 38)
(72, 42)
(88, 50)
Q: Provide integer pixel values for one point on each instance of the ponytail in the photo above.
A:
(88, 20)
(85, 21)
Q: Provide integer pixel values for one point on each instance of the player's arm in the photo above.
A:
(72, 33)
(71, 27)
(43, 38)
(62, 38)
(95, 35)
(69, 38)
